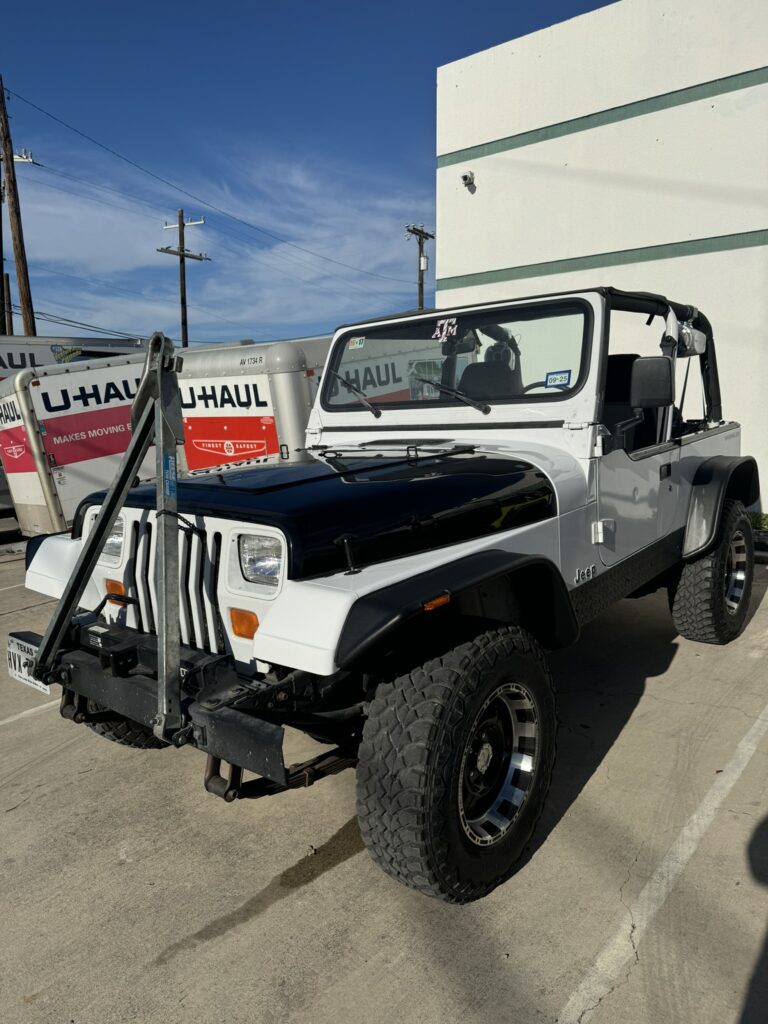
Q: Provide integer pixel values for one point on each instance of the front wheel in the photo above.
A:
(455, 764)
(710, 600)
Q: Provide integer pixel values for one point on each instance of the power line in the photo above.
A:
(67, 322)
(199, 199)
(104, 188)
(218, 228)
(154, 300)
(90, 199)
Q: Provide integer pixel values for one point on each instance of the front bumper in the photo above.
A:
(116, 667)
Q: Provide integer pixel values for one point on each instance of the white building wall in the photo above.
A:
(628, 146)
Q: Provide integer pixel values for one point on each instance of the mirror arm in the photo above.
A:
(620, 429)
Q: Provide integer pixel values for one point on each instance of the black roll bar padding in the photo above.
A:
(143, 430)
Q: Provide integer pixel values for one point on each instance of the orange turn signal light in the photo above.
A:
(436, 602)
(115, 587)
(244, 624)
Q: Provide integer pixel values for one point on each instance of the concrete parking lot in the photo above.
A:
(131, 895)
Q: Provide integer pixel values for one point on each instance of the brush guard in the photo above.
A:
(156, 416)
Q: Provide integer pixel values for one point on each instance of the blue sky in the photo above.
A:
(313, 121)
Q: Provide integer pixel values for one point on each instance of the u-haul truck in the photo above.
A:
(63, 428)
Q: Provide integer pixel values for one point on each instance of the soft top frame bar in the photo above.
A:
(658, 305)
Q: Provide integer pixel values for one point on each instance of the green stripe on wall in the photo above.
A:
(668, 251)
(639, 108)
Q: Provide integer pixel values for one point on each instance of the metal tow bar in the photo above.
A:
(155, 416)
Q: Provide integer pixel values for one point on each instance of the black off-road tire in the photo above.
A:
(123, 730)
(699, 598)
(413, 757)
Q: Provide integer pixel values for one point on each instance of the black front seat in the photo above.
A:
(487, 381)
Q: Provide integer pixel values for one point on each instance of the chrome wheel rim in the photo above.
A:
(735, 572)
(498, 764)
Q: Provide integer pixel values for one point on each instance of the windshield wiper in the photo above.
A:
(358, 392)
(455, 393)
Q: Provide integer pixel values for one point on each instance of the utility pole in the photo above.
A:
(7, 305)
(421, 236)
(5, 308)
(184, 254)
(14, 216)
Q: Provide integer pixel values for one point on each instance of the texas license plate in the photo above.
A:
(21, 655)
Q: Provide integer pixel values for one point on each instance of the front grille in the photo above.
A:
(199, 560)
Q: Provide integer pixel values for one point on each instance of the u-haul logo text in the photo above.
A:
(93, 395)
(9, 412)
(224, 396)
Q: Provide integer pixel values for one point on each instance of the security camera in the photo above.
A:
(467, 179)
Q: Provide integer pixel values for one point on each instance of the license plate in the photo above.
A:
(21, 655)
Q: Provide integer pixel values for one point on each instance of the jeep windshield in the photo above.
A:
(534, 353)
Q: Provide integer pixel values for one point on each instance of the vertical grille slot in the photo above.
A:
(200, 624)
(195, 590)
(216, 643)
(134, 616)
(187, 636)
(142, 576)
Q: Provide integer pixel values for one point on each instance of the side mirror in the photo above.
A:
(652, 385)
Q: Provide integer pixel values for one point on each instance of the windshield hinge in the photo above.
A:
(577, 426)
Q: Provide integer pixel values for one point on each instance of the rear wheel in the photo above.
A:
(455, 763)
(122, 730)
(710, 600)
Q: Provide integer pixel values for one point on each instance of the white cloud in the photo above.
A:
(261, 286)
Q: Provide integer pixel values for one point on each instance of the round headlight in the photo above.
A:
(261, 559)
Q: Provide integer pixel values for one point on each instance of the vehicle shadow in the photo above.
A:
(599, 683)
(759, 587)
(755, 1009)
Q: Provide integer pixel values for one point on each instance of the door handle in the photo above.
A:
(666, 471)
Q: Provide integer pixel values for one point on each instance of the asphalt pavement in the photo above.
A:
(128, 894)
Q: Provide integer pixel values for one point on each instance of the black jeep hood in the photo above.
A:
(383, 507)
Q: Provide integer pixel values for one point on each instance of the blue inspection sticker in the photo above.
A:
(558, 379)
(169, 475)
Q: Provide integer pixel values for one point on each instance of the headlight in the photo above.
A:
(261, 559)
(113, 546)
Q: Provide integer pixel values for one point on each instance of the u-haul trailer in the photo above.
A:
(64, 428)
(20, 352)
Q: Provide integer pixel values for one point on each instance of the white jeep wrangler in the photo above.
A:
(479, 482)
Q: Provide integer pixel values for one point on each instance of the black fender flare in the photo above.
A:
(374, 616)
(716, 479)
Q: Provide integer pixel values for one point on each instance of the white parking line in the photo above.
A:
(29, 711)
(620, 951)
(14, 586)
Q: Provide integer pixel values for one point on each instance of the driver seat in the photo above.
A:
(488, 381)
(494, 377)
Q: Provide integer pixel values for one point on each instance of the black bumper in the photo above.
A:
(118, 675)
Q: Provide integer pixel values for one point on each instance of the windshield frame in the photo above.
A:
(526, 309)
